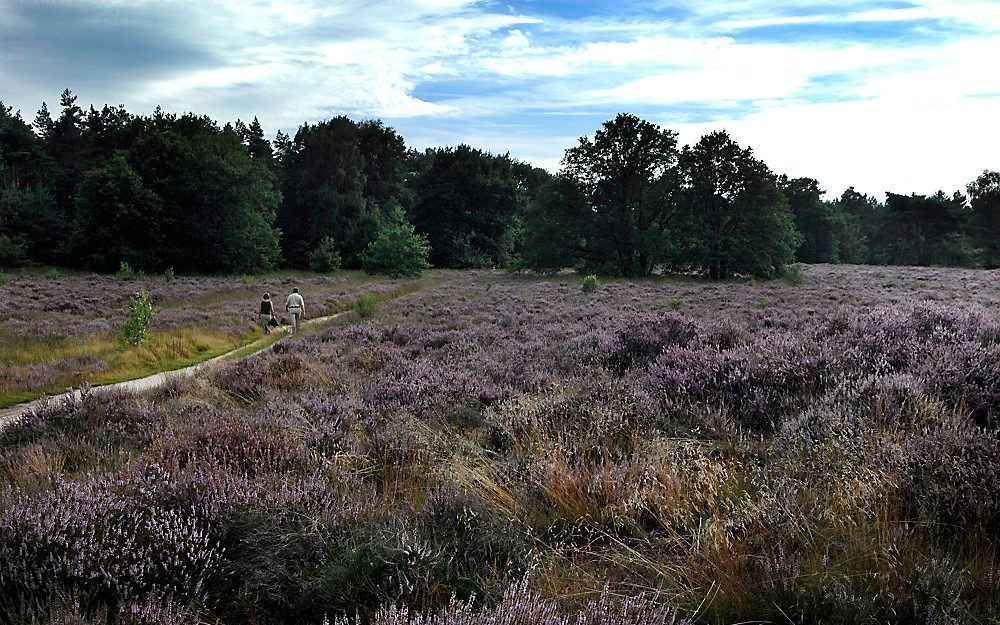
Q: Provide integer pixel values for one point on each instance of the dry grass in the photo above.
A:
(49, 368)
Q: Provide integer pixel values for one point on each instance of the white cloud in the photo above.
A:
(874, 145)
(367, 66)
(760, 14)
(907, 102)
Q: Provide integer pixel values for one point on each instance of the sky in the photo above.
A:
(900, 96)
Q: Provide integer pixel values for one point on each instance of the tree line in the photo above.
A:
(98, 187)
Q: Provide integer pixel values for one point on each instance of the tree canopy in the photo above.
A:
(94, 187)
(468, 203)
(624, 173)
(733, 215)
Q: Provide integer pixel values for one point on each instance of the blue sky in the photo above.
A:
(896, 95)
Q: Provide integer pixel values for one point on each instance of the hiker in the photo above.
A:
(296, 308)
(266, 313)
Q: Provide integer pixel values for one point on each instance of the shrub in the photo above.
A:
(464, 255)
(952, 481)
(13, 252)
(325, 258)
(126, 273)
(169, 275)
(141, 311)
(3, 278)
(53, 274)
(398, 251)
(366, 306)
(793, 274)
(522, 606)
(247, 279)
(642, 338)
(590, 283)
(97, 539)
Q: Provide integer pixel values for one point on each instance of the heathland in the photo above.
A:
(509, 449)
(60, 330)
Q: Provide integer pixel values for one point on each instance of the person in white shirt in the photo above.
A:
(295, 306)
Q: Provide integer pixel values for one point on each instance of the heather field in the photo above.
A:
(510, 450)
(59, 330)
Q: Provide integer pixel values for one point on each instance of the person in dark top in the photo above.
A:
(266, 313)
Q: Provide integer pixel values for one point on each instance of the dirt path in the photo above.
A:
(10, 416)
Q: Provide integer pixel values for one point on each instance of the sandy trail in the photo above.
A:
(10, 416)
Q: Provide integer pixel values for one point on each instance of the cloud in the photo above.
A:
(873, 145)
(533, 77)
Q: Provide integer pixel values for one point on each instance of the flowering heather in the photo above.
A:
(520, 606)
(49, 316)
(656, 451)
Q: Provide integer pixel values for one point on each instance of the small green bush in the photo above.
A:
(398, 251)
(793, 274)
(366, 306)
(326, 257)
(169, 275)
(3, 278)
(13, 251)
(126, 273)
(141, 311)
(590, 283)
(53, 274)
(675, 304)
(247, 278)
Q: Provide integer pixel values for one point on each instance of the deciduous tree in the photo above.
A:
(625, 174)
(734, 217)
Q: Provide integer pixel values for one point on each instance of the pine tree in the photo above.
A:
(258, 147)
(43, 121)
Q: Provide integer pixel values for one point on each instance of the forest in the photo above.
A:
(96, 188)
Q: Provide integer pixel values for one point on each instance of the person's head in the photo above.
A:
(295, 289)
(267, 296)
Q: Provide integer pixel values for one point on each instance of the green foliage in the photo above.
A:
(398, 251)
(815, 219)
(383, 152)
(325, 257)
(366, 306)
(732, 216)
(924, 230)
(984, 223)
(92, 188)
(118, 219)
(169, 275)
(126, 273)
(468, 203)
(589, 284)
(53, 274)
(793, 274)
(18, 150)
(217, 204)
(135, 330)
(465, 255)
(555, 226)
(624, 175)
(323, 185)
(32, 219)
(3, 279)
(675, 304)
(13, 251)
(247, 279)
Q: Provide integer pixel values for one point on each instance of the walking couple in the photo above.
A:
(295, 306)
